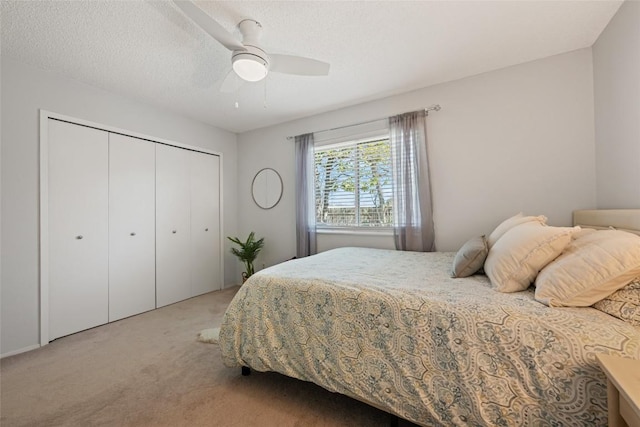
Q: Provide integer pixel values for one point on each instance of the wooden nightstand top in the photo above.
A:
(625, 375)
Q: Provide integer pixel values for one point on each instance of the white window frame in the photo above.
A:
(376, 134)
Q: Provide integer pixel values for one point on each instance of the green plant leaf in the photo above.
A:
(247, 251)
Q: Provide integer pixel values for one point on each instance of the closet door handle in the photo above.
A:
(132, 234)
(206, 229)
(174, 231)
(79, 237)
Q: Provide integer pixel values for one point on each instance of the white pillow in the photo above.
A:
(515, 260)
(509, 223)
(592, 267)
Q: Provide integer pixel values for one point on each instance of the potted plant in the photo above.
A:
(247, 253)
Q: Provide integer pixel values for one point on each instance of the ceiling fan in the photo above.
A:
(249, 61)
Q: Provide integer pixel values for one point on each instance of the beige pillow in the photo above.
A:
(509, 223)
(517, 257)
(592, 267)
(470, 258)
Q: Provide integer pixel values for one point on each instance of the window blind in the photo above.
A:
(353, 185)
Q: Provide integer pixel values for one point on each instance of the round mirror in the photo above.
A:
(266, 188)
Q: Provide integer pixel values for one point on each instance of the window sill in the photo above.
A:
(354, 230)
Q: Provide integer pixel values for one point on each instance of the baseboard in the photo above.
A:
(21, 350)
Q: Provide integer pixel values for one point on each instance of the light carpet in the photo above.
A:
(148, 370)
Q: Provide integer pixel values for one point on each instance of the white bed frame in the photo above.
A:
(621, 219)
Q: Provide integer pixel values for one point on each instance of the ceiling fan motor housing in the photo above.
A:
(251, 64)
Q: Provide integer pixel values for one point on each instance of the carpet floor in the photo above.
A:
(149, 370)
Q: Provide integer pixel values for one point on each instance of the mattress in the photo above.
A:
(394, 330)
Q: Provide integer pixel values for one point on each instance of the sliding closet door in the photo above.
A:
(78, 228)
(173, 282)
(205, 223)
(132, 262)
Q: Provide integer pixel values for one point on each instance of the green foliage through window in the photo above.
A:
(353, 184)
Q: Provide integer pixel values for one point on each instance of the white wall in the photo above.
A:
(616, 71)
(331, 239)
(516, 139)
(25, 90)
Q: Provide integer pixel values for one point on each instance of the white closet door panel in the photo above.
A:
(132, 262)
(78, 228)
(205, 223)
(173, 281)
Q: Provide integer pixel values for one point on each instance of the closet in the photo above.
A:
(173, 227)
(187, 218)
(132, 225)
(78, 228)
(205, 217)
(132, 262)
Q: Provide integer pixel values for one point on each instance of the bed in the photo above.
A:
(394, 330)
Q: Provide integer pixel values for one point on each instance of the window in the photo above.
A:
(353, 184)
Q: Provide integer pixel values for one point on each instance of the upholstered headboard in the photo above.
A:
(621, 219)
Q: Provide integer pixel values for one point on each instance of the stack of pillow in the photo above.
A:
(569, 266)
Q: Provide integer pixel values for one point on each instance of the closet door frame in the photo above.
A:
(45, 115)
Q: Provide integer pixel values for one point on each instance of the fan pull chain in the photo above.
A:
(265, 94)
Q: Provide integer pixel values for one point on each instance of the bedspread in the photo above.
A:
(393, 329)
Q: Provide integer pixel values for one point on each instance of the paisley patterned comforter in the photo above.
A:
(394, 330)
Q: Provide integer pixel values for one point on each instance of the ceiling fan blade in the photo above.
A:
(299, 65)
(210, 25)
(231, 83)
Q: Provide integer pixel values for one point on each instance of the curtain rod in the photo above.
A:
(435, 107)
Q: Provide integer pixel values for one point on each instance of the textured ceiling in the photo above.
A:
(150, 51)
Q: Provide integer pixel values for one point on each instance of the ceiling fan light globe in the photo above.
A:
(249, 67)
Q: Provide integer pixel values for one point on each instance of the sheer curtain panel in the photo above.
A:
(305, 197)
(413, 214)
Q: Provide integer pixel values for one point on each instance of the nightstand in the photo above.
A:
(623, 390)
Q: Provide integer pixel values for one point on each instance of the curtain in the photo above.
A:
(413, 214)
(305, 197)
